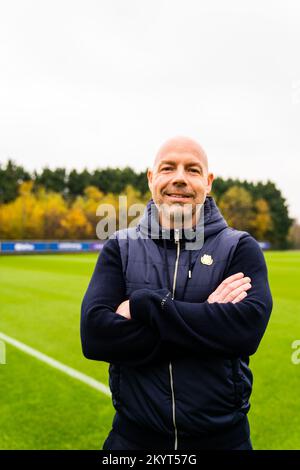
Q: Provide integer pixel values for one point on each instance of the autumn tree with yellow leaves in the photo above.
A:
(45, 214)
(243, 213)
(56, 204)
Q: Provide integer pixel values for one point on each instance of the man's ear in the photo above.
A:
(149, 177)
(210, 178)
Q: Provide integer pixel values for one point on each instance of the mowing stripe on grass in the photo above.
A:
(56, 364)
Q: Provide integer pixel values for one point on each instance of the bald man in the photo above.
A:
(177, 319)
(192, 181)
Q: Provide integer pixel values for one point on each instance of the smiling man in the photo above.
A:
(180, 199)
(177, 321)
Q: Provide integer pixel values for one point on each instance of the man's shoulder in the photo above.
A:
(117, 243)
(242, 236)
(244, 243)
(248, 247)
(233, 232)
(247, 256)
(245, 237)
(124, 234)
(110, 246)
(228, 237)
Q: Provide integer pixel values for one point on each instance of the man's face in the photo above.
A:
(178, 182)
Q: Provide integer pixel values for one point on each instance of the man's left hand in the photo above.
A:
(124, 309)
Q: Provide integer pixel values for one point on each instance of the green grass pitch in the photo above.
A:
(43, 408)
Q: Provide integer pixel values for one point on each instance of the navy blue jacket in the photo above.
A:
(179, 369)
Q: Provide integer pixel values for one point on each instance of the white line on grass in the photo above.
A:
(56, 364)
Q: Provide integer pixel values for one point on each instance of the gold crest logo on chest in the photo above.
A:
(207, 259)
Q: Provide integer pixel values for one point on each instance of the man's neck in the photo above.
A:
(187, 225)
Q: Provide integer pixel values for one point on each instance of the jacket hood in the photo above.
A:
(210, 223)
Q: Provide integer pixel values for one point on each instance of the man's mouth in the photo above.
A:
(178, 196)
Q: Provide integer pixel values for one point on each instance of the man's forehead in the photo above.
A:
(185, 148)
(187, 157)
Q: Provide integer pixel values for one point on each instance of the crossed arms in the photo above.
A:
(136, 331)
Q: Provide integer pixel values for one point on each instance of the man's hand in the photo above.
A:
(232, 289)
(124, 309)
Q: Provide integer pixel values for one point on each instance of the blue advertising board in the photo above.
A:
(64, 246)
(27, 246)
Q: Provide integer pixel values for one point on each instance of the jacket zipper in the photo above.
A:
(176, 235)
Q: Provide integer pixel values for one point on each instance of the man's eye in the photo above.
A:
(194, 170)
(166, 168)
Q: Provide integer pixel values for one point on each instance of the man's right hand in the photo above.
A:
(232, 289)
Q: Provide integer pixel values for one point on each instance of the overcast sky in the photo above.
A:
(105, 82)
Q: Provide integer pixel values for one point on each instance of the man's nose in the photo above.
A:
(180, 176)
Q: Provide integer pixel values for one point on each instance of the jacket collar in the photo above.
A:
(210, 222)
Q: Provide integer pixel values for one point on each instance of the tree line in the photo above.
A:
(54, 203)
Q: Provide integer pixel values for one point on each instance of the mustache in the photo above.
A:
(179, 193)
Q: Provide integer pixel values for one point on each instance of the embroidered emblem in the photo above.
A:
(206, 259)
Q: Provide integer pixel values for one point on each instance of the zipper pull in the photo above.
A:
(176, 235)
(190, 274)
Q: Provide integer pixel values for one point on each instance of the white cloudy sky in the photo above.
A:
(104, 82)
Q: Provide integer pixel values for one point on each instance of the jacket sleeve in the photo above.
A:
(106, 335)
(227, 329)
